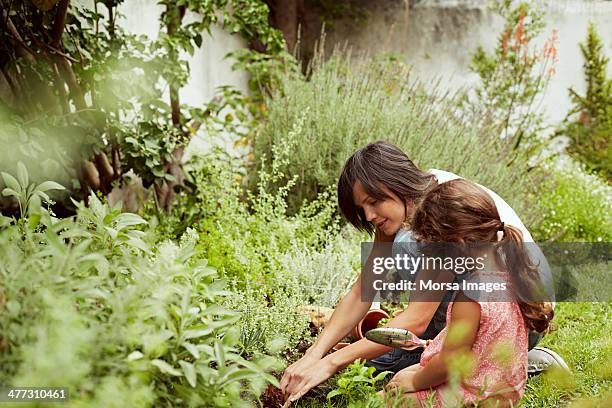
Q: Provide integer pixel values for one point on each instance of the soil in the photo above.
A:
(272, 397)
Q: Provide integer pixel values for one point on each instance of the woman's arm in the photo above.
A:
(346, 316)
(415, 318)
(349, 311)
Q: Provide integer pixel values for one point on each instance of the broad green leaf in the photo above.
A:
(235, 373)
(128, 219)
(333, 393)
(49, 185)
(189, 372)
(42, 195)
(10, 192)
(192, 349)
(166, 368)
(381, 376)
(139, 244)
(135, 355)
(112, 232)
(4, 221)
(219, 353)
(271, 379)
(34, 205)
(22, 175)
(194, 334)
(33, 221)
(11, 182)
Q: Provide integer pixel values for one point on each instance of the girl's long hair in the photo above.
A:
(459, 211)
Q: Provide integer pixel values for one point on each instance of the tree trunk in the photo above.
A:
(285, 14)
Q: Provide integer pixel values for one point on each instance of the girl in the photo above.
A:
(492, 335)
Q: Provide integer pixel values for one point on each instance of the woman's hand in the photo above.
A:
(291, 376)
(403, 380)
(303, 380)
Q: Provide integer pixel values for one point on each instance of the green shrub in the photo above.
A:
(590, 132)
(514, 76)
(574, 206)
(321, 276)
(96, 304)
(270, 321)
(343, 104)
(243, 233)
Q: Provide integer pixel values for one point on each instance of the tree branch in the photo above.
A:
(22, 48)
(59, 23)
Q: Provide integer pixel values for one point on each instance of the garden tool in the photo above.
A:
(396, 337)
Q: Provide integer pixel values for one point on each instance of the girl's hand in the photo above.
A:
(404, 380)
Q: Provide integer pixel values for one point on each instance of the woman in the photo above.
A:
(377, 192)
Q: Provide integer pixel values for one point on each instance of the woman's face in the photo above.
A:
(386, 215)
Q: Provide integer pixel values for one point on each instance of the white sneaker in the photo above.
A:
(540, 359)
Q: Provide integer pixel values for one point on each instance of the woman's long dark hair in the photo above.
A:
(459, 211)
(380, 164)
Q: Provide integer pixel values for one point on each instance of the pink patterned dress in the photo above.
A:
(500, 350)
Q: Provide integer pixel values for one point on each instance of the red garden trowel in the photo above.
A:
(396, 337)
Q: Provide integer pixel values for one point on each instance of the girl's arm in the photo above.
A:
(461, 335)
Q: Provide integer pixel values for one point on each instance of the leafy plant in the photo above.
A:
(270, 321)
(357, 384)
(513, 77)
(71, 69)
(574, 205)
(244, 234)
(28, 195)
(590, 132)
(97, 304)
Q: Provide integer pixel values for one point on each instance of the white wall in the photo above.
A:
(441, 35)
(209, 68)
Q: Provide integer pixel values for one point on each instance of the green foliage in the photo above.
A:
(96, 304)
(75, 74)
(345, 103)
(28, 195)
(266, 70)
(321, 276)
(248, 17)
(574, 206)
(270, 321)
(590, 132)
(357, 384)
(243, 236)
(513, 77)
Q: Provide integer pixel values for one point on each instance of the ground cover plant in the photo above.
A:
(97, 304)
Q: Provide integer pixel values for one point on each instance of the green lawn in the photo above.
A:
(583, 340)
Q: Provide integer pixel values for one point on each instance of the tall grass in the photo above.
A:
(345, 103)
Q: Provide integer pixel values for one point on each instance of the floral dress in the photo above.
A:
(500, 352)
